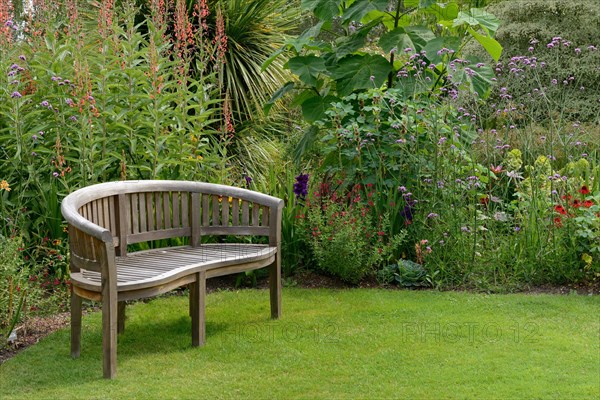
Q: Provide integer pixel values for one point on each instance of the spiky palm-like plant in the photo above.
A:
(253, 30)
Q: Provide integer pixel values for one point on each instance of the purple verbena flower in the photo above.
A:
(16, 95)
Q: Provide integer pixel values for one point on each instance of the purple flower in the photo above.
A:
(16, 95)
(14, 66)
(301, 186)
(22, 57)
(14, 83)
(432, 215)
(248, 180)
(73, 118)
(55, 174)
(69, 102)
(45, 103)
(407, 211)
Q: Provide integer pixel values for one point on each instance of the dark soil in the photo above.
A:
(31, 331)
(36, 328)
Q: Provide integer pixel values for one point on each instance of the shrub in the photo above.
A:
(13, 286)
(346, 241)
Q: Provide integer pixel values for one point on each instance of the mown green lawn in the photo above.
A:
(360, 343)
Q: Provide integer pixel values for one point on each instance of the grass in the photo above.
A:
(331, 344)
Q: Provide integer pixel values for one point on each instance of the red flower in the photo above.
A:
(576, 203)
(588, 203)
(584, 190)
(561, 210)
(558, 222)
(484, 200)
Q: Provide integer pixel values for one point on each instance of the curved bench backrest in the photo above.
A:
(139, 211)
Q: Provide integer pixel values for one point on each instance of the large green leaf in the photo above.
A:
(349, 44)
(476, 79)
(387, 19)
(313, 108)
(323, 9)
(435, 45)
(307, 68)
(490, 44)
(478, 17)
(282, 91)
(444, 11)
(360, 8)
(355, 72)
(307, 39)
(414, 37)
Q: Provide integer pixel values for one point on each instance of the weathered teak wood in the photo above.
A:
(104, 219)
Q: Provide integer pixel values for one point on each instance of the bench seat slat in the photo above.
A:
(150, 268)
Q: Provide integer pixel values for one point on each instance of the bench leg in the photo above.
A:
(109, 332)
(75, 324)
(275, 287)
(121, 317)
(198, 309)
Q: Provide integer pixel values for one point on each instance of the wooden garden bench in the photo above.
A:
(103, 219)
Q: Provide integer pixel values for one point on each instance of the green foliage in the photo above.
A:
(13, 287)
(405, 273)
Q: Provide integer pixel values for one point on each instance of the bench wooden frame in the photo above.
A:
(103, 219)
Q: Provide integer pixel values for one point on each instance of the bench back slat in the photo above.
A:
(167, 210)
(235, 212)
